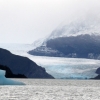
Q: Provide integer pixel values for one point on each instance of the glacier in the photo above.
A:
(68, 68)
(60, 68)
(7, 81)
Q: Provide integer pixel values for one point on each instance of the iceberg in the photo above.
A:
(6, 81)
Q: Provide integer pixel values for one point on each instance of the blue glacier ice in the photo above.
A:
(68, 68)
(7, 81)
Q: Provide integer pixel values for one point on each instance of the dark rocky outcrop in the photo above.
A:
(98, 71)
(80, 46)
(98, 76)
(9, 73)
(22, 65)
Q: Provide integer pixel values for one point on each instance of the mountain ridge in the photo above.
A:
(80, 46)
(22, 65)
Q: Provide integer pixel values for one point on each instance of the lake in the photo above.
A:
(48, 89)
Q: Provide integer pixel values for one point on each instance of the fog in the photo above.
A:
(24, 21)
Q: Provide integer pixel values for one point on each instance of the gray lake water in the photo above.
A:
(48, 89)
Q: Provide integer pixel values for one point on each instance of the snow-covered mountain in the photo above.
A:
(78, 38)
(83, 25)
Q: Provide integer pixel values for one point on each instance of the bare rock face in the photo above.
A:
(22, 65)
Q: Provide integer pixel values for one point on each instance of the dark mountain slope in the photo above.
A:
(22, 65)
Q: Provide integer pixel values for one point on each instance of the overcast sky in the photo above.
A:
(24, 21)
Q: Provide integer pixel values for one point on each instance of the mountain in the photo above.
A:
(80, 46)
(83, 25)
(22, 65)
(76, 39)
